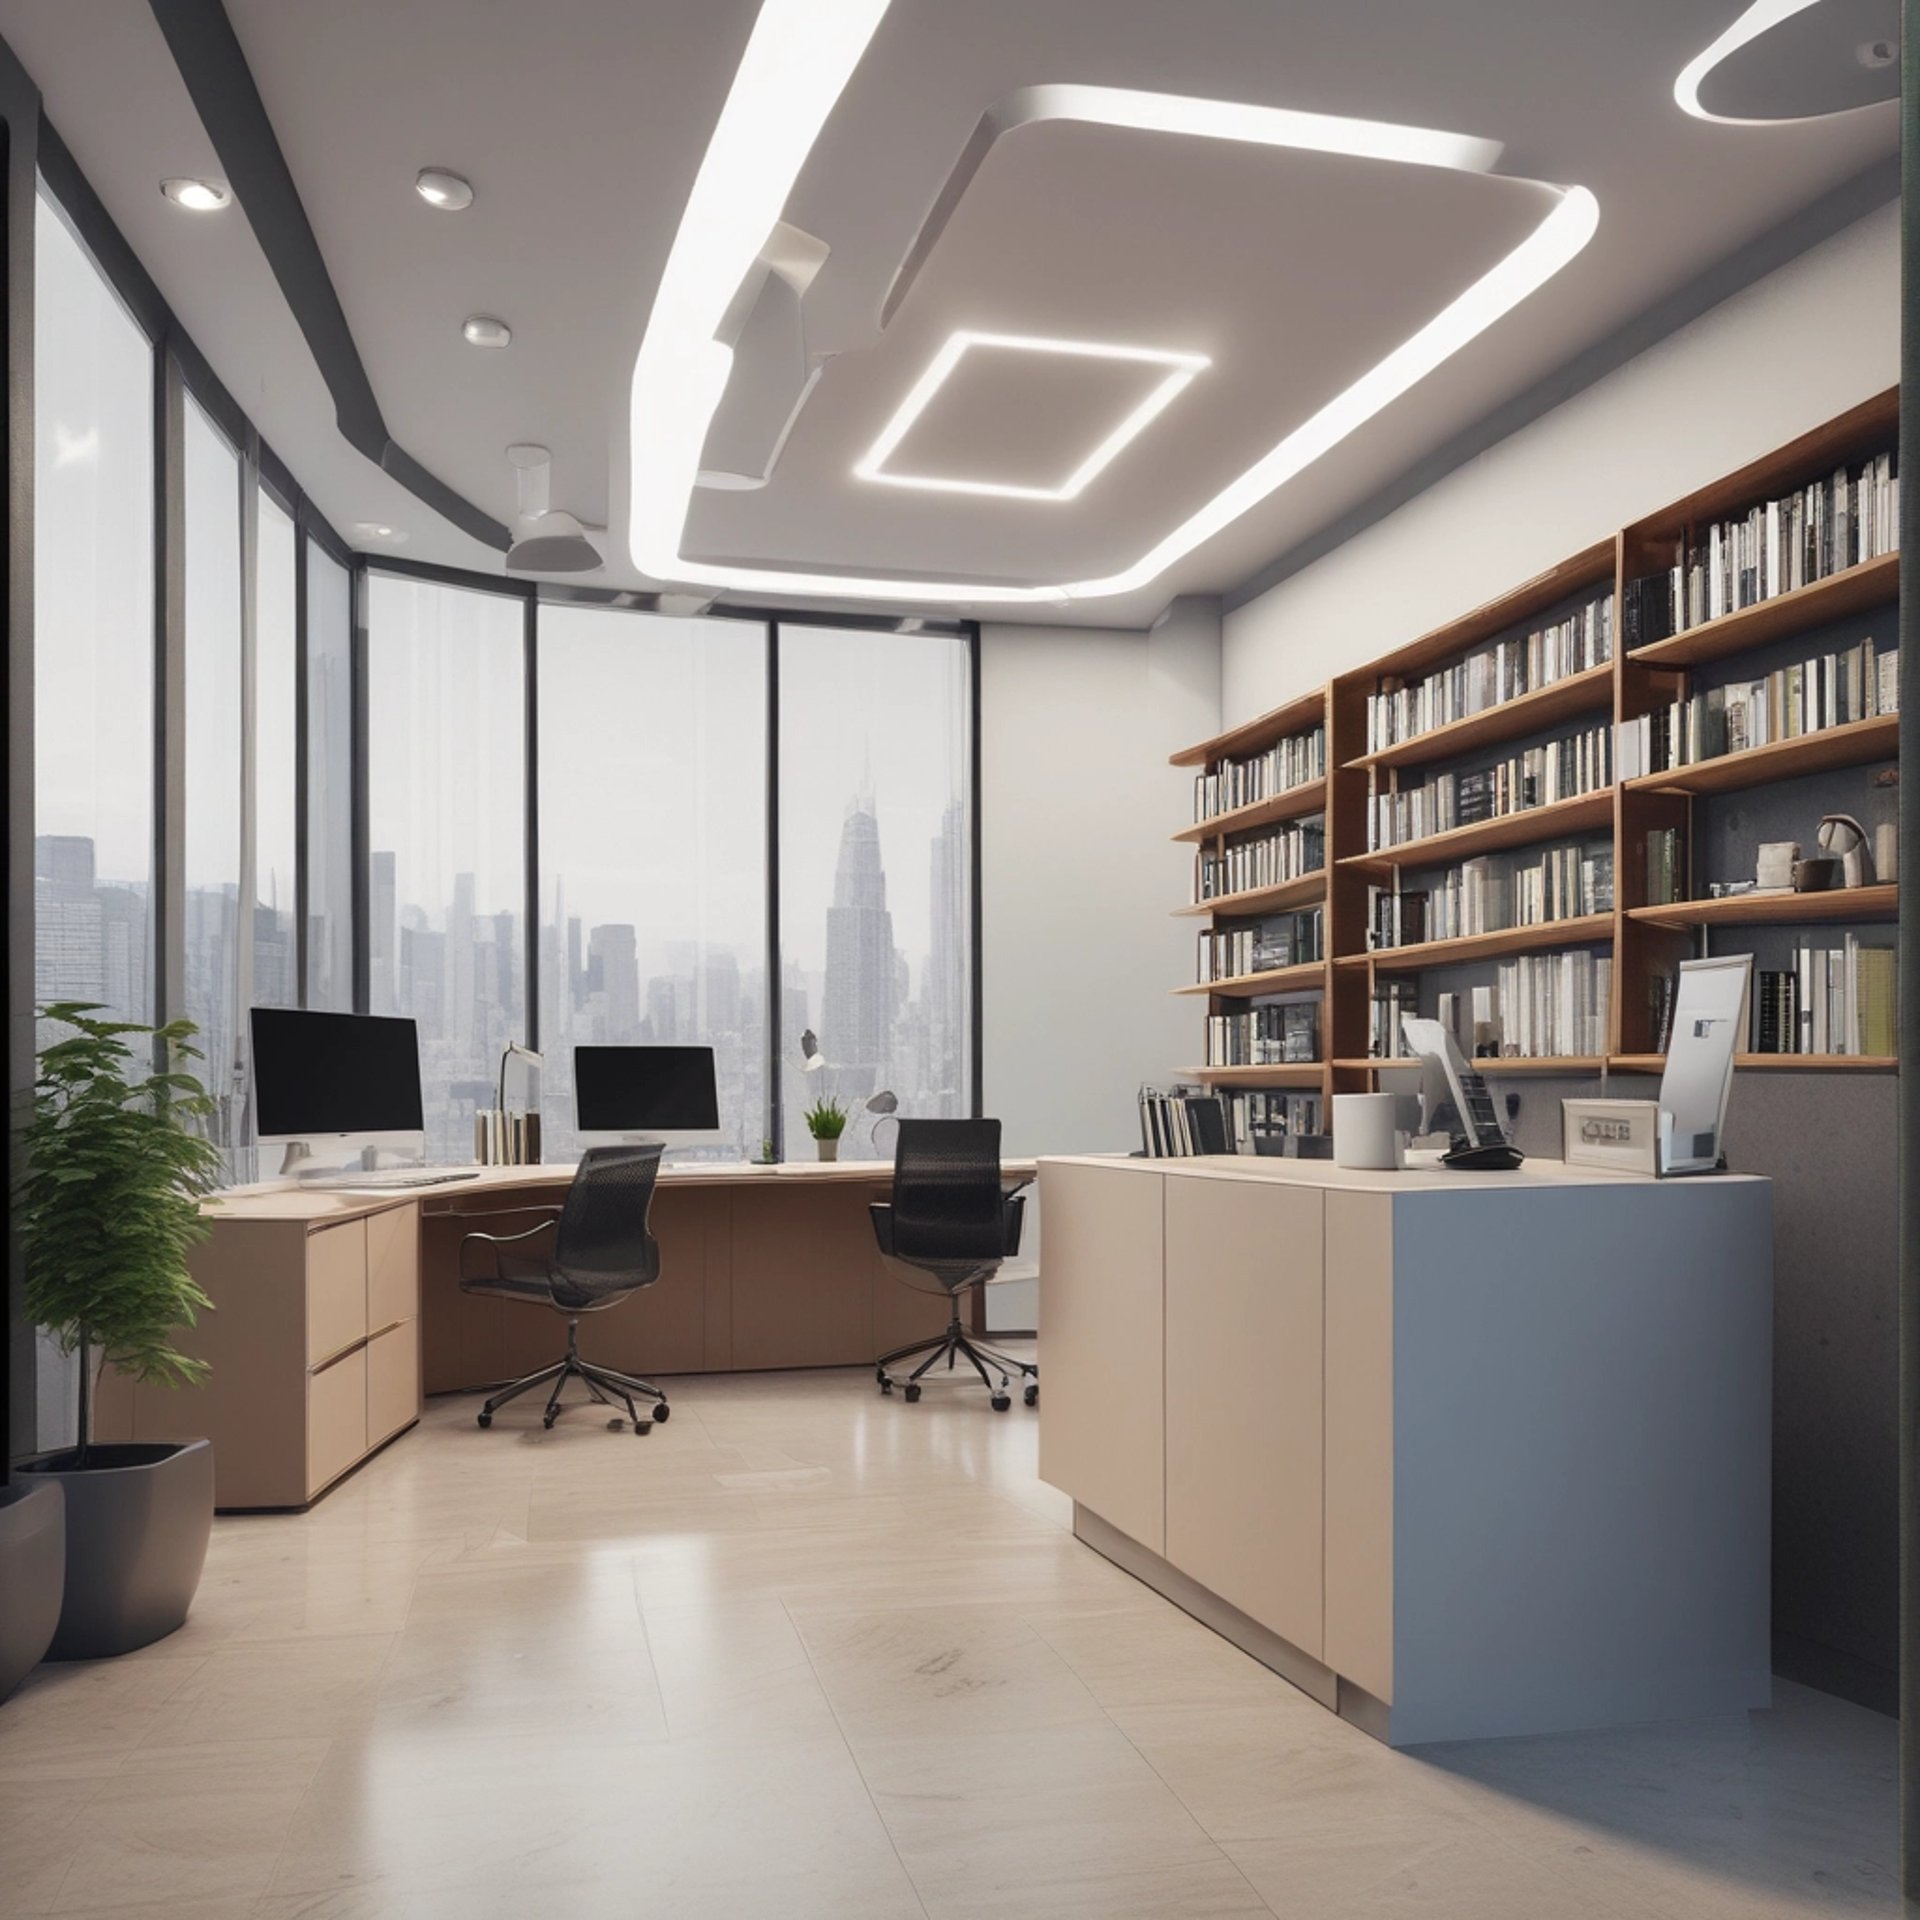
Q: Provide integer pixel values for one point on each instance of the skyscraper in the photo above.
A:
(857, 1008)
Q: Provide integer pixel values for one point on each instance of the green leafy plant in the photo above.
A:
(826, 1119)
(109, 1201)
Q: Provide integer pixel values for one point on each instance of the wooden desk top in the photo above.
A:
(277, 1200)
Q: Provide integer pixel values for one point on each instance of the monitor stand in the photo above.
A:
(300, 1163)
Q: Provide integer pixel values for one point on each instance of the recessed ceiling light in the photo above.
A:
(439, 188)
(483, 330)
(197, 196)
(377, 530)
(1180, 369)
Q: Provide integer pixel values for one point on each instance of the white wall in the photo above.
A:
(1790, 351)
(1079, 949)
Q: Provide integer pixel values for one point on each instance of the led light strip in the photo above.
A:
(797, 63)
(1762, 17)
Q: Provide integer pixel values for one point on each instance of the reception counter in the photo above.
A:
(1460, 1454)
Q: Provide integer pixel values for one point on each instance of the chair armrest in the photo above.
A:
(504, 1239)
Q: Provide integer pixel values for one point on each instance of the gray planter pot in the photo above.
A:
(829, 1149)
(138, 1521)
(33, 1571)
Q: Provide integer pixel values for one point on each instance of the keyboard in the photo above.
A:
(380, 1179)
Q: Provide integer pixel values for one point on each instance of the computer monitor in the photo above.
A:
(343, 1079)
(663, 1094)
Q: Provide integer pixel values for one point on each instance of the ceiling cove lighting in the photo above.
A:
(439, 188)
(1180, 370)
(797, 62)
(197, 196)
(1761, 17)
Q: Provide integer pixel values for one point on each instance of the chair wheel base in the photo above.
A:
(660, 1413)
(643, 1426)
(1002, 1401)
(483, 1420)
(912, 1390)
(1032, 1396)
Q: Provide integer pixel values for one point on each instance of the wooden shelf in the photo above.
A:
(1801, 1062)
(1576, 932)
(1292, 1073)
(1858, 743)
(1584, 1063)
(1777, 909)
(1588, 692)
(1309, 797)
(1558, 820)
(1253, 736)
(1251, 986)
(1304, 892)
(1873, 583)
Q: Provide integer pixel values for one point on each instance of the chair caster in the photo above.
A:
(547, 1419)
(886, 1385)
(1001, 1402)
(1032, 1395)
(643, 1426)
(614, 1426)
(912, 1389)
(483, 1419)
(660, 1413)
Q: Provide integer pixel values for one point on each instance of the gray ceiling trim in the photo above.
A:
(207, 52)
(1850, 201)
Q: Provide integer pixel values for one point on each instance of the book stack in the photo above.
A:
(1292, 762)
(1182, 1122)
(1262, 859)
(1493, 893)
(1492, 675)
(1805, 536)
(1393, 1001)
(1833, 1000)
(1577, 763)
(1666, 866)
(1860, 682)
(1253, 1117)
(1552, 1005)
(1264, 1036)
(1287, 940)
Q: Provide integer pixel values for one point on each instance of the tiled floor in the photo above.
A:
(807, 1652)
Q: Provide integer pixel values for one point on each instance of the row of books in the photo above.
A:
(1494, 892)
(1286, 940)
(1181, 1122)
(1262, 860)
(1493, 675)
(1393, 1001)
(1292, 762)
(1265, 1036)
(1772, 548)
(1666, 853)
(1254, 1116)
(1832, 690)
(1574, 764)
(1834, 1000)
(1548, 1006)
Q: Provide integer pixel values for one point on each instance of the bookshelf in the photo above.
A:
(1641, 939)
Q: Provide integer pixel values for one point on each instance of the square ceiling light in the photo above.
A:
(1176, 371)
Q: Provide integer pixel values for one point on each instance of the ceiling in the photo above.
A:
(581, 124)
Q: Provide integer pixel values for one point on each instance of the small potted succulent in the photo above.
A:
(108, 1207)
(827, 1121)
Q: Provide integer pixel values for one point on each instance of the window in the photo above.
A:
(276, 847)
(329, 782)
(93, 634)
(446, 806)
(875, 876)
(653, 849)
(213, 649)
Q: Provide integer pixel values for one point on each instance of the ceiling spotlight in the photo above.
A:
(376, 530)
(439, 188)
(197, 196)
(483, 330)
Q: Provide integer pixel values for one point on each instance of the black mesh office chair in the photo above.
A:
(950, 1217)
(601, 1252)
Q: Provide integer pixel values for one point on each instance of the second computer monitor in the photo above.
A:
(655, 1093)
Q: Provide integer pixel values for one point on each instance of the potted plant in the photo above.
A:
(109, 1204)
(827, 1121)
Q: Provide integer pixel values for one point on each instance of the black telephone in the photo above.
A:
(1482, 1144)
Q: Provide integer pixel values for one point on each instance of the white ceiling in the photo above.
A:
(580, 123)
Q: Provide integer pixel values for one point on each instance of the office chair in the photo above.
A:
(602, 1251)
(950, 1217)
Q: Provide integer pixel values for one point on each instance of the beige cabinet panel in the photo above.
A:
(393, 1267)
(336, 1419)
(336, 1290)
(1244, 1280)
(1102, 1405)
(393, 1380)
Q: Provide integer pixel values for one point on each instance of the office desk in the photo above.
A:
(336, 1311)
(1460, 1454)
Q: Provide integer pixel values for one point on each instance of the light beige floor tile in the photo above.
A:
(262, 1690)
(736, 1670)
(1156, 1656)
(80, 1719)
(39, 1833)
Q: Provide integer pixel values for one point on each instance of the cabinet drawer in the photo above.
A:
(336, 1419)
(393, 1266)
(336, 1290)
(393, 1380)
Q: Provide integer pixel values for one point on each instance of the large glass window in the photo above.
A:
(276, 979)
(329, 782)
(93, 633)
(446, 808)
(653, 849)
(875, 908)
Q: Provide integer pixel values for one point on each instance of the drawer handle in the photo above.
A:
(381, 1333)
(333, 1359)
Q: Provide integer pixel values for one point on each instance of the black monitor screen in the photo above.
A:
(320, 1073)
(644, 1089)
